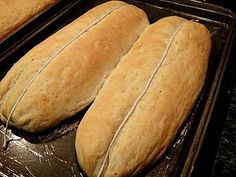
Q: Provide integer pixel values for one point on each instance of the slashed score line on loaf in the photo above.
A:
(46, 64)
(139, 98)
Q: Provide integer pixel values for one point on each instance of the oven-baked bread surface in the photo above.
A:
(13, 13)
(64, 73)
(145, 100)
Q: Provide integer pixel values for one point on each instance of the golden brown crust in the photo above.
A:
(15, 12)
(145, 100)
(63, 74)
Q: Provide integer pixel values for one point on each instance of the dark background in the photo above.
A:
(230, 4)
(218, 154)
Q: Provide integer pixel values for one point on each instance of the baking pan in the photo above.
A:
(21, 30)
(27, 22)
(37, 20)
(52, 153)
(33, 27)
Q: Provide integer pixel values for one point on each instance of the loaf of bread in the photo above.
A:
(13, 13)
(145, 100)
(63, 74)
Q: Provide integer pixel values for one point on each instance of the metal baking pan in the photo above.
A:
(18, 29)
(33, 27)
(41, 16)
(52, 153)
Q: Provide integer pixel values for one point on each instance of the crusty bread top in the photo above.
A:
(63, 74)
(145, 100)
(15, 12)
